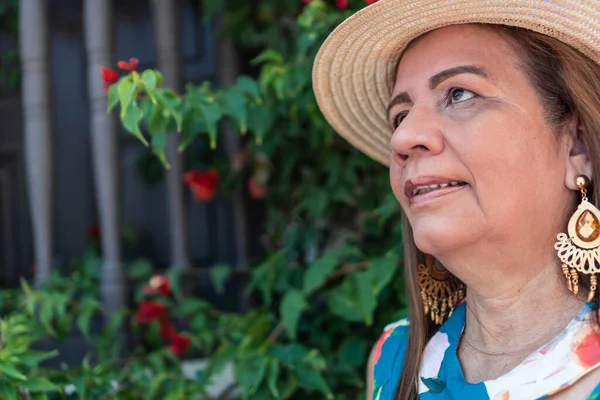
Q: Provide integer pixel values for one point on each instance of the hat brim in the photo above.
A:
(355, 68)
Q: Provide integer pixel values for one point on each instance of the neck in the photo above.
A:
(512, 324)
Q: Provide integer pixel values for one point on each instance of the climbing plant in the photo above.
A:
(329, 279)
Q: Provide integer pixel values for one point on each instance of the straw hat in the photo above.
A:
(355, 69)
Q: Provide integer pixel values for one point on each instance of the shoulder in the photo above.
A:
(388, 358)
(396, 333)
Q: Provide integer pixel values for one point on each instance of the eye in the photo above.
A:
(399, 118)
(458, 95)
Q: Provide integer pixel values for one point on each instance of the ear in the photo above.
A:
(577, 160)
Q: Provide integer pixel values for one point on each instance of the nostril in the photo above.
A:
(400, 158)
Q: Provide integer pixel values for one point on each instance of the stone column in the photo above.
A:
(168, 55)
(105, 150)
(33, 48)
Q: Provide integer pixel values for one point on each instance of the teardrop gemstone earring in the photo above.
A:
(579, 250)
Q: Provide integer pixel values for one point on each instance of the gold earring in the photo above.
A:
(440, 290)
(579, 251)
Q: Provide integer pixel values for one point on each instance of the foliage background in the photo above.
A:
(330, 276)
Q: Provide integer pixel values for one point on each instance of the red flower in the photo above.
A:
(166, 331)
(180, 344)
(369, 2)
(256, 189)
(94, 232)
(202, 184)
(588, 350)
(109, 77)
(158, 285)
(342, 4)
(128, 66)
(150, 311)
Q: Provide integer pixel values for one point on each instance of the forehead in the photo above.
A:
(453, 46)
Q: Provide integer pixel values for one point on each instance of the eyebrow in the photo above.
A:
(435, 80)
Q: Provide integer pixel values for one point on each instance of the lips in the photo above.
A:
(427, 184)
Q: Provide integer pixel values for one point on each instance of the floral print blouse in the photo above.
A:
(554, 367)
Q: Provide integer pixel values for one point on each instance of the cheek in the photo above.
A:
(513, 161)
(396, 183)
(504, 144)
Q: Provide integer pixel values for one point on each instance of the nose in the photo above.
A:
(419, 135)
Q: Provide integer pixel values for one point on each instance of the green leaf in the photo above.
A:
(198, 323)
(290, 354)
(317, 203)
(81, 384)
(260, 121)
(190, 307)
(219, 360)
(317, 272)
(272, 377)
(126, 90)
(158, 122)
(381, 271)
(140, 269)
(275, 77)
(312, 378)
(258, 329)
(159, 146)
(250, 372)
(291, 308)
(234, 105)
(174, 275)
(219, 274)
(192, 125)
(25, 286)
(40, 385)
(113, 97)
(250, 87)
(8, 391)
(84, 318)
(60, 305)
(171, 103)
(150, 79)
(131, 121)
(157, 362)
(114, 324)
(47, 313)
(269, 56)
(33, 357)
(353, 351)
(159, 78)
(267, 274)
(10, 370)
(155, 386)
(353, 300)
(211, 115)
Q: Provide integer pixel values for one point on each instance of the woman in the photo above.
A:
(488, 115)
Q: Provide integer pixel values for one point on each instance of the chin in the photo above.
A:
(443, 239)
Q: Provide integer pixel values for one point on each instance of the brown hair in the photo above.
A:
(568, 84)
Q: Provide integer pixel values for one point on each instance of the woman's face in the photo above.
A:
(474, 161)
